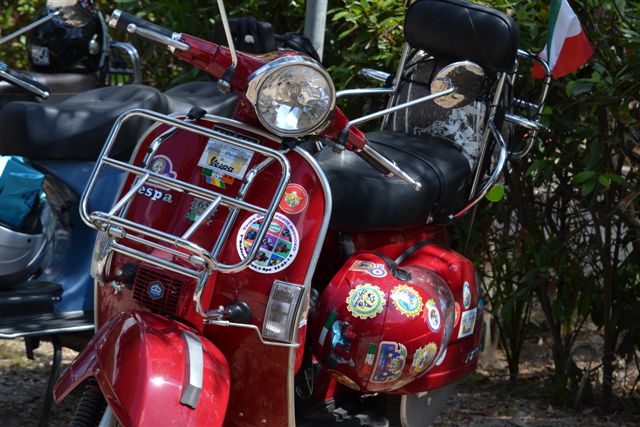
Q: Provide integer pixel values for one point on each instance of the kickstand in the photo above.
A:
(53, 376)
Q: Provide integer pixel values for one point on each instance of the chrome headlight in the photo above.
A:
(292, 96)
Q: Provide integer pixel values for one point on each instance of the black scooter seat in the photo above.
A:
(203, 95)
(365, 200)
(76, 128)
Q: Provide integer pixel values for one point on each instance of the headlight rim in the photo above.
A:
(257, 79)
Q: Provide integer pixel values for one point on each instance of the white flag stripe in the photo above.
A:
(566, 26)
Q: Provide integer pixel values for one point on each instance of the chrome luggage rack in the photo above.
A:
(203, 262)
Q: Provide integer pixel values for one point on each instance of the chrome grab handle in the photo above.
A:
(134, 57)
(202, 260)
(502, 160)
(534, 125)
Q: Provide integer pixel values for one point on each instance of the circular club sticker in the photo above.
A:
(295, 199)
(279, 245)
(406, 300)
(466, 295)
(366, 301)
(433, 315)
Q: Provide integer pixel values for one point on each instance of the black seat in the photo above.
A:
(365, 200)
(76, 129)
(204, 95)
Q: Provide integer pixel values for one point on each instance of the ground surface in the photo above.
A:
(486, 399)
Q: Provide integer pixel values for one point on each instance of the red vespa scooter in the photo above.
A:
(255, 271)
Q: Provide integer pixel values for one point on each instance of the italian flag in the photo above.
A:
(567, 46)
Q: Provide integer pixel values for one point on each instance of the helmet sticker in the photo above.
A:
(366, 301)
(375, 270)
(327, 325)
(295, 199)
(40, 55)
(467, 323)
(424, 357)
(407, 300)
(466, 295)
(279, 245)
(433, 315)
(391, 361)
(344, 380)
(456, 318)
(370, 358)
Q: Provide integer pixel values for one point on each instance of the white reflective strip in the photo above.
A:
(192, 385)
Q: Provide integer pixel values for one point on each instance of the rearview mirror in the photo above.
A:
(465, 77)
(74, 12)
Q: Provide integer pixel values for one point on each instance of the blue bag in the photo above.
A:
(20, 185)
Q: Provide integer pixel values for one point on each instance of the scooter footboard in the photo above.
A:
(153, 371)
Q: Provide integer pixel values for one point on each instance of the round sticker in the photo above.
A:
(365, 301)
(279, 245)
(162, 165)
(406, 300)
(295, 199)
(423, 357)
(466, 295)
(433, 315)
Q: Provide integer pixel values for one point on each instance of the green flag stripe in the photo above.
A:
(554, 10)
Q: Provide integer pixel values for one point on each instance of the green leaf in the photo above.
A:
(496, 193)
(588, 187)
(583, 176)
(604, 181)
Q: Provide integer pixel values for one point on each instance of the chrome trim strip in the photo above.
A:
(227, 33)
(396, 82)
(194, 370)
(304, 310)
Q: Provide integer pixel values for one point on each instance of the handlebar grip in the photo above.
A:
(121, 20)
(374, 162)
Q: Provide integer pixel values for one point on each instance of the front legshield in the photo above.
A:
(153, 371)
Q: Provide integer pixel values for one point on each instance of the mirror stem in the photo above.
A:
(30, 26)
(224, 84)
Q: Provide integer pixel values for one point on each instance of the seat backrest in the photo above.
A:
(458, 30)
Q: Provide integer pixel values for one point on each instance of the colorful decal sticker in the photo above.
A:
(424, 357)
(407, 300)
(295, 199)
(344, 380)
(370, 358)
(456, 314)
(433, 315)
(155, 290)
(216, 180)
(327, 325)
(198, 206)
(375, 270)
(225, 159)
(441, 358)
(277, 249)
(466, 295)
(366, 301)
(391, 360)
(467, 323)
(161, 165)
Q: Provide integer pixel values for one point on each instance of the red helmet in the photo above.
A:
(377, 329)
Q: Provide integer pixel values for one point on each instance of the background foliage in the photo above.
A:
(565, 240)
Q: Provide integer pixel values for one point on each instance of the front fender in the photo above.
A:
(153, 371)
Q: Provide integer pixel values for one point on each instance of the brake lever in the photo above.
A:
(386, 166)
(25, 83)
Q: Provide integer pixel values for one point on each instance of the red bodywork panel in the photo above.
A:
(138, 360)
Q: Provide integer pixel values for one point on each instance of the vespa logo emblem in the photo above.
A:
(155, 290)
